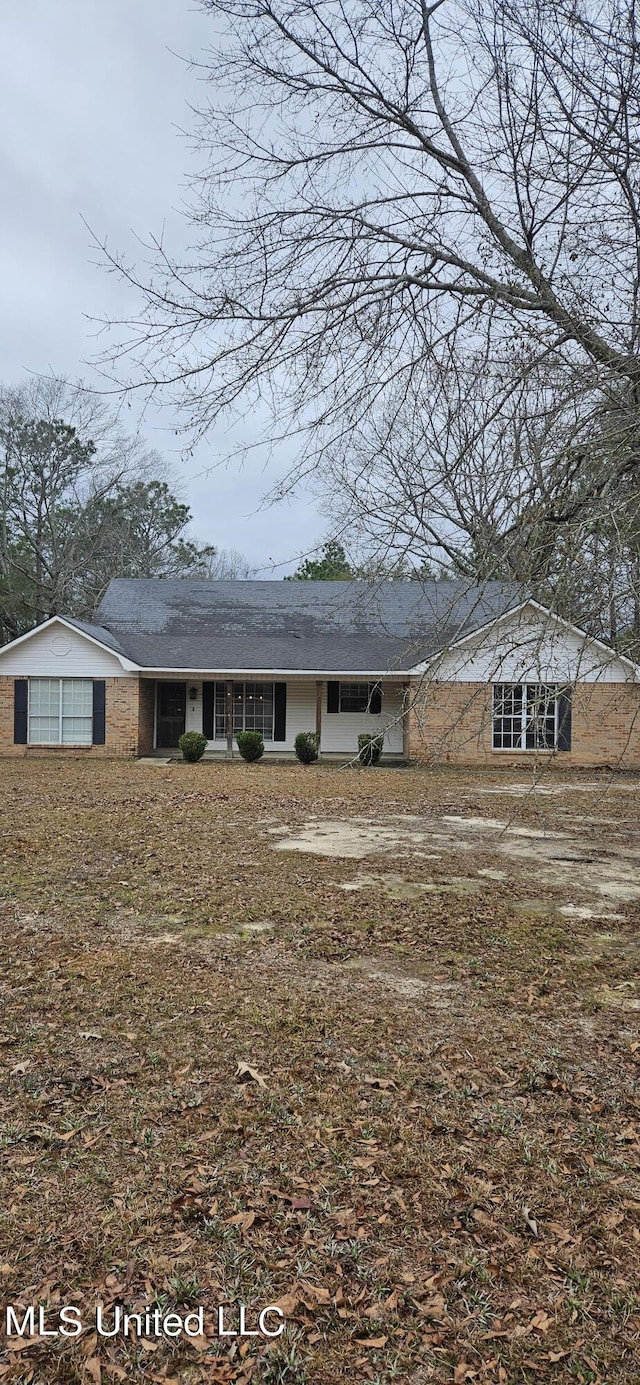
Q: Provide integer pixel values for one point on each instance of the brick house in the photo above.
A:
(443, 671)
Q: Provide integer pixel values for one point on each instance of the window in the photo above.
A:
(360, 697)
(60, 711)
(252, 709)
(526, 716)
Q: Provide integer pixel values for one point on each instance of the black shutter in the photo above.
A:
(207, 710)
(333, 697)
(564, 720)
(98, 734)
(375, 699)
(20, 710)
(279, 711)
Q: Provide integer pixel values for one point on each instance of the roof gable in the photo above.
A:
(82, 631)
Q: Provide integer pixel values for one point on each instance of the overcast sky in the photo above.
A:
(93, 97)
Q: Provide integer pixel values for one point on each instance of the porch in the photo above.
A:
(337, 710)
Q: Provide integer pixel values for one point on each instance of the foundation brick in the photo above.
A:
(451, 723)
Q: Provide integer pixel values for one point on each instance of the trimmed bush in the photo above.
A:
(369, 748)
(250, 745)
(306, 747)
(193, 745)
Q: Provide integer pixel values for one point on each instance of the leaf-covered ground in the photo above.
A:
(409, 1116)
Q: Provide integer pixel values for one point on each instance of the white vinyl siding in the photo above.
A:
(340, 730)
(58, 650)
(60, 711)
(529, 647)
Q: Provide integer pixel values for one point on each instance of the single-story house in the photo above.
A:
(445, 671)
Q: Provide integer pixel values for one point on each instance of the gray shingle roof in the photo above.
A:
(98, 632)
(307, 626)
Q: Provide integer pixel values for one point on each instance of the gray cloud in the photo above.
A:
(93, 97)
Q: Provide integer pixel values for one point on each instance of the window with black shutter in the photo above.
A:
(358, 697)
(531, 716)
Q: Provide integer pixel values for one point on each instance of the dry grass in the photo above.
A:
(434, 1063)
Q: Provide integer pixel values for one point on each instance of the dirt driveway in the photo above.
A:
(363, 1044)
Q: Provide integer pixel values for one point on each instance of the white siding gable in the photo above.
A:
(57, 650)
(530, 645)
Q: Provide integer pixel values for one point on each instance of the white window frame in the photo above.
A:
(61, 715)
(497, 692)
(219, 706)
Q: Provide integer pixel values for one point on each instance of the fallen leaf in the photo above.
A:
(200, 1343)
(372, 1342)
(382, 1082)
(21, 1067)
(287, 1303)
(315, 1292)
(533, 1225)
(94, 1369)
(245, 1073)
(243, 1219)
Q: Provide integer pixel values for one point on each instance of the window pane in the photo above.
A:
(354, 697)
(44, 696)
(44, 730)
(507, 716)
(238, 707)
(77, 697)
(44, 710)
(258, 709)
(77, 730)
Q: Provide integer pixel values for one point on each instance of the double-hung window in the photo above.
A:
(529, 716)
(60, 711)
(360, 697)
(252, 709)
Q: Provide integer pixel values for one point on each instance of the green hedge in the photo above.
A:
(250, 745)
(306, 746)
(193, 745)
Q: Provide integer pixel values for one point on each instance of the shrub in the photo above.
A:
(193, 745)
(250, 745)
(306, 746)
(369, 748)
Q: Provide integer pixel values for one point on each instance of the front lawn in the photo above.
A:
(362, 1043)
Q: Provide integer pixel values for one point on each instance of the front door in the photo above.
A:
(172, 708)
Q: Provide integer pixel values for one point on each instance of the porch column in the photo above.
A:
(406, 703)
(319, 687)
(229, 718)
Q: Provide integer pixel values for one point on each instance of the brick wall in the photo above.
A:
(128, 722)
(146, 715)
(451, 723)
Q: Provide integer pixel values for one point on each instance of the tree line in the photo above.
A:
(82, 502)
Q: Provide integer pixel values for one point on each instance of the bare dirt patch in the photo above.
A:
(557, 857)
(438, 1174)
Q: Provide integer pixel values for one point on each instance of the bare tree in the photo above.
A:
(381, 182)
